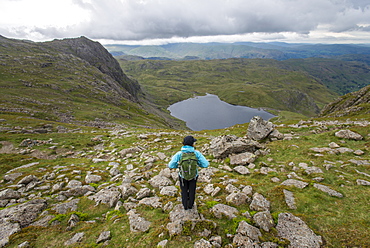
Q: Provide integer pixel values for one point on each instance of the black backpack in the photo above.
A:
(188, 165)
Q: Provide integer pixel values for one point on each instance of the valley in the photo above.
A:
(84, 149)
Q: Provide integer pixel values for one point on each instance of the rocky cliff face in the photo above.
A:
(95, 54)
(353, 103)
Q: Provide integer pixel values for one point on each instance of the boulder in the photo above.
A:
(169, 190)
(264, 220)
(295, 183)
(289, 199)
(9, 194)
(237, 198)
(248, 230)
(328, 190)
(297, 232)
(223, 146)
(348, 134)
(259, 129)
(90, 178)
(75, 239)
(159, 181)
(65, 207)
(104, 236)
(220, 210)
(242, 158)
(242, 170)
(137, 223)
(108, 196)
(127, 190)
(259, 203)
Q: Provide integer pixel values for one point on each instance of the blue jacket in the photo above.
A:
(174, 163)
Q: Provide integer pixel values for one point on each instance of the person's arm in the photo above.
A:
(173, 164)
(202, 161)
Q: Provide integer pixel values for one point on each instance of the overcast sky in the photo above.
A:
(161, 21)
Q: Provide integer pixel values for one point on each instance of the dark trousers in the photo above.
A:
(188, 192)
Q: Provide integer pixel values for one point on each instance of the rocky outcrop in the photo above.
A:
(349, 104)
(99, 57)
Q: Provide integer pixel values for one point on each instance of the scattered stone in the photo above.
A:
(297, 232)
(28, 179)
(264, 220)
(160, 181)
(348, 134)
(289, 199)
(151, 201)
(73, 184)
(12, 177)
(242, 158)
(90, 178)
(169, 190)
(25, 244)
(242, 170)
(109, 196)
(248, 230)
(243, 241)
(220, 210)
(63, 208)
(359, 152)
(202, 244)
(137, 223)
(144, 192)
(362, 182)
(104, 236)
(162, 244)
(259, 129)
(237, 198)
(328, 190)
(75, 239)
(295, 183)
(333, 145)
(259, 203)
(9, 194)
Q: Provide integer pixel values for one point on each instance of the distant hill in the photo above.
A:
(275, 50)
(71, 80)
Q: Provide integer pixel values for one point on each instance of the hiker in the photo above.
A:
(188, 177)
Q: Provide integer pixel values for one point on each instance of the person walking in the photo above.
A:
(188, 186)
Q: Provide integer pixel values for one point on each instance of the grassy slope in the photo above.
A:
(253, 83)
(343, 222)
(55, 86)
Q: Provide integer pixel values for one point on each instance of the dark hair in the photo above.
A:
(189, 141)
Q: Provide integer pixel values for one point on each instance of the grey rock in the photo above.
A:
(242, 158)
(231, 188)
(27, 179)
(237, 198)
(143, 192)
(151, 201)
(289, 199)
(248, 190)
(131, 150)
(202, 244)
(43, 222)
(362, 182)
(313, 170)
(220, 210)
(12, 219)
(264, 220)
(259, 203)
(269, 245)
(127, 190)
(137, 223)
(74, 184)
(25, 244)
(169, 190)
(259, 129)
(73, 220)
(104, 236)
(160, 181)
(242, 170)
(90, 178)
(248, 230)
(108, 196)
(328, 190)
(9, 194)
(295, 183)
(223, 146)
(179, 214)
(12, 177)
(348, 134)
(297, 232)
(162, 244)
(78, 191)
(243, 241)
(75, 239)
(65, 207)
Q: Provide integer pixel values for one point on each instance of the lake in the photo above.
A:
(209, 112)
